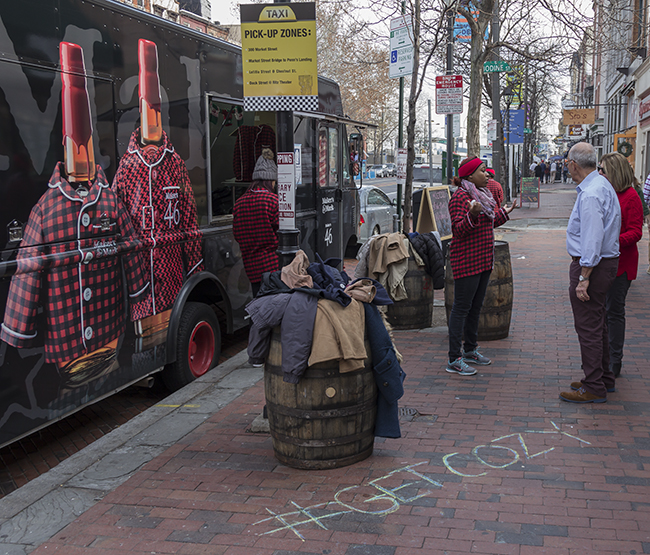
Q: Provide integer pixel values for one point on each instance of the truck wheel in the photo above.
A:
(198, 346)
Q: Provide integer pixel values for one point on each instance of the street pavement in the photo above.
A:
(493, 463)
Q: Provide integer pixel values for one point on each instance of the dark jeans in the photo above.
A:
(590, 319)
(469, 293)
(616, 316)
(256, 287)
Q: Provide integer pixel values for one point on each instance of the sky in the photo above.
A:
(222, 11)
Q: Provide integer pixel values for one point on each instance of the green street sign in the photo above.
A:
(527, 130)
(496, 67)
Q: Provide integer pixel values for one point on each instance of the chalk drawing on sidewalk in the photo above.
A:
(345, 501)
(515, 455)
(351, 499)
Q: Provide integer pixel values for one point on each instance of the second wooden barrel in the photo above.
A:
(327, 420)
(496, 314)
(416, 312)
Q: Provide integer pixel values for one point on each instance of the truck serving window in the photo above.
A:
(236, 141)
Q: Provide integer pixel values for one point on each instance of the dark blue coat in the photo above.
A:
(388, 374)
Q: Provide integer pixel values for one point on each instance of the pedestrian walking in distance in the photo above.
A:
(256, 221)
(474, 215)
(592, 242)
(619, 173)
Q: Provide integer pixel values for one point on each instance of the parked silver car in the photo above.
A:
(379, 169)
(376, 213)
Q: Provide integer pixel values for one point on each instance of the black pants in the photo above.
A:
(469, 293)
(615, 304)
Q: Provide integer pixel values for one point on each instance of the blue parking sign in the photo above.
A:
(393, 57)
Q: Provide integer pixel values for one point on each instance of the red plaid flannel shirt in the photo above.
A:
(497, 191)
(472, 247)
(255, 225)
(156, 190)
(68, 262)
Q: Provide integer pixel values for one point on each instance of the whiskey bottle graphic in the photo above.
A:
(79, 156)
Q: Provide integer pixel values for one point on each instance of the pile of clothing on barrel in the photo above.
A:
(385, 258)
(316, 300)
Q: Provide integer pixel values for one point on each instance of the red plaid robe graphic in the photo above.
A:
(68, 263)
(472, 248)
(156, 190)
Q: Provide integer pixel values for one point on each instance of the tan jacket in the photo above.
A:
(339, 334)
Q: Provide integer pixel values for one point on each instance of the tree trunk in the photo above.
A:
(410, 128)
(477, 56)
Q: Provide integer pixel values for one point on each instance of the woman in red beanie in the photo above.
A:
(474, 215)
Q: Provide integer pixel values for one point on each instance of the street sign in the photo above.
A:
(496, 67)
(513, 129)
(492, 130)
(275, 77)
(401, 164)
(579, 117)
(401, 48)
(527, 130)
(449, 94)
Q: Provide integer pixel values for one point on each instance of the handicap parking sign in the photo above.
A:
(393, 57)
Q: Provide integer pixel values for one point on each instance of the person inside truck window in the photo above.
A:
(256, 221)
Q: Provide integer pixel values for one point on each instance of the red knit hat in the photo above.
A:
(491, 172)
(469, 166)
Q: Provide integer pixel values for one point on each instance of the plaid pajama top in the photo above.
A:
(156, 190)
(255, 226)
(68, 262)
(472, 246)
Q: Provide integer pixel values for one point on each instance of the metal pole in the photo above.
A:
(430, 153)
(449, 117)
(400, 143)
(496, 100)
(288, 239)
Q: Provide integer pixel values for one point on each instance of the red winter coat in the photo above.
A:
(68, 262)
(156, 190)
(631, 232)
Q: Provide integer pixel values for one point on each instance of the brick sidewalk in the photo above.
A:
(493, 463)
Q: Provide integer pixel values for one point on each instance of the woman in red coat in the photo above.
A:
(617, 170)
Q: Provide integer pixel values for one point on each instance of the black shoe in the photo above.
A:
(615, 367)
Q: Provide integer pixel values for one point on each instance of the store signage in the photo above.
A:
(580, 116)
(644, 109)
(449, 94)
(279, 56)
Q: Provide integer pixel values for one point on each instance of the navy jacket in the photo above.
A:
(388, 374)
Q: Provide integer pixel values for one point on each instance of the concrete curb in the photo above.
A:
(41, 508)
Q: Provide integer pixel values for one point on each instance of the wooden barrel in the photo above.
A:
(327, 420)
(416, 312)
(494, 322)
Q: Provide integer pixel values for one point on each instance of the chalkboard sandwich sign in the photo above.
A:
(434, 211)
(530, 190)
